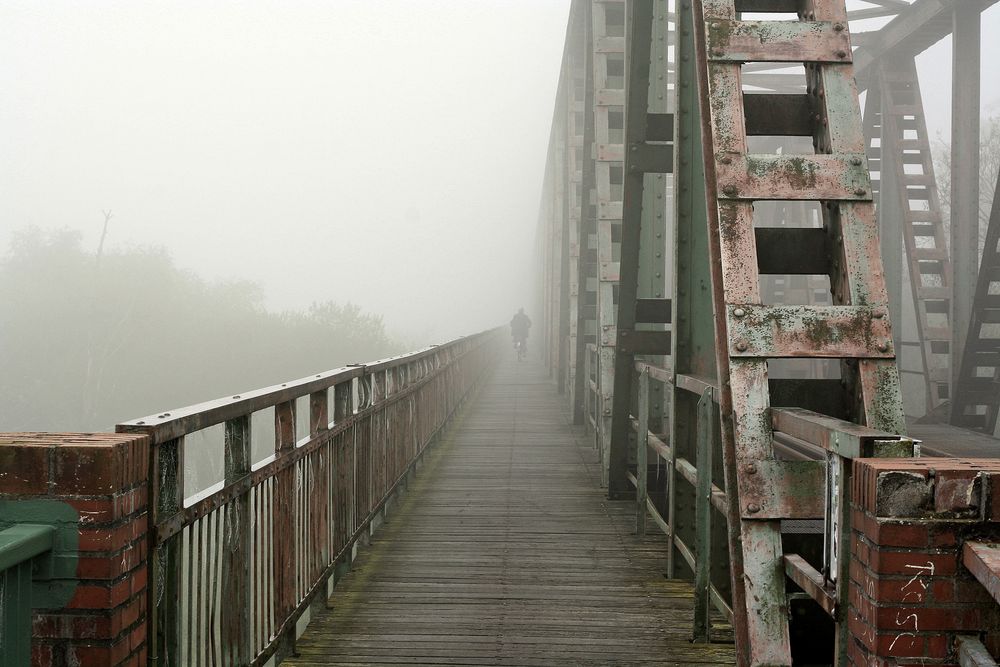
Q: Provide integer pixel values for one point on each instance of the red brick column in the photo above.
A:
(93, 487)
(910, 596)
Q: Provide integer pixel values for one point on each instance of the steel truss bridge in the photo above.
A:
(744, 267)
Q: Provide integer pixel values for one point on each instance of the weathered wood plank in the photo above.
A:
(506, 552)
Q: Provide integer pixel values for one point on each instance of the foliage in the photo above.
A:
(87, 341)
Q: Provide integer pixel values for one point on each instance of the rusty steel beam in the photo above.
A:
(916, 28)
(855, 329)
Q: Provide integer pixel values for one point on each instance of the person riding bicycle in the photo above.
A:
(519, 326)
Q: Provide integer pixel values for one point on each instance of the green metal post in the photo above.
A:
(18, 546)
(641, 452)
(693, 340)
(703, 517)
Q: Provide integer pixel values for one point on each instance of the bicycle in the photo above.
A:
(521, 349)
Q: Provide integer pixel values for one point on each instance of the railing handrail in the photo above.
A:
(290, 522)
(23, 542)
(177, 422)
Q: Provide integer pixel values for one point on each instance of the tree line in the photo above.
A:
(92, 338)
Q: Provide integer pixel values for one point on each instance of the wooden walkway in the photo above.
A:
(505, 551)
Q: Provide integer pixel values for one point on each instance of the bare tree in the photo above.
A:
(989, 155)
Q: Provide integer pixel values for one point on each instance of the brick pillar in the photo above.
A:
(910, 596)
(91, 609)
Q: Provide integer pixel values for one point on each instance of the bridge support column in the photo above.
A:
(90, 590)
(912, 595)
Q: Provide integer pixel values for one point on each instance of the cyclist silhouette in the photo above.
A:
(519, 326)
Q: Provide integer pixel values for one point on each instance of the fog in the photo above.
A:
(384, 153)
(263, 165)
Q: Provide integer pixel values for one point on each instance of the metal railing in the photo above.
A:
(816, 453)
(233, 571)
(20, 546)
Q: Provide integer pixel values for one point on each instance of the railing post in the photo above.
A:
(703, 517)
(838, 548)
(319, 422)
(15, 622)
(165, 574)
(18, 546)
(236, 580)
(671, 474)
(343, 464)
(641, 453)
(282, 522)
(319, 412)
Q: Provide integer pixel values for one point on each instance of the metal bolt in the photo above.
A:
(879, 314)
(883, 346)
(838, 27)
(753, 508)
(726, 160)
(741, 345)
(857, 162)
(860, 192)
(841, 54)
(739, 312)
(730, 190)
(751, 469)
(718, 52)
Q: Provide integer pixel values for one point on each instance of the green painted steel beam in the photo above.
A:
(23, 542)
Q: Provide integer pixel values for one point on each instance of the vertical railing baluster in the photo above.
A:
(212, 521)
(641, 453)
(703, 517)
(236, 587)
(199, 588)
(189, 596)
(165, 576)
(586, 392)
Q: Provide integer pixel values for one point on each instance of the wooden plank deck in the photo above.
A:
(505, 551)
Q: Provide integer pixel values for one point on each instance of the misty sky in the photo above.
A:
(388, 153)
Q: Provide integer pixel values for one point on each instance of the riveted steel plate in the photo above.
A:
(777, 41)
(794, 177)
(783, 490)
(808, 331)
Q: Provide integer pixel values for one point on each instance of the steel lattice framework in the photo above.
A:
(726, 304)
